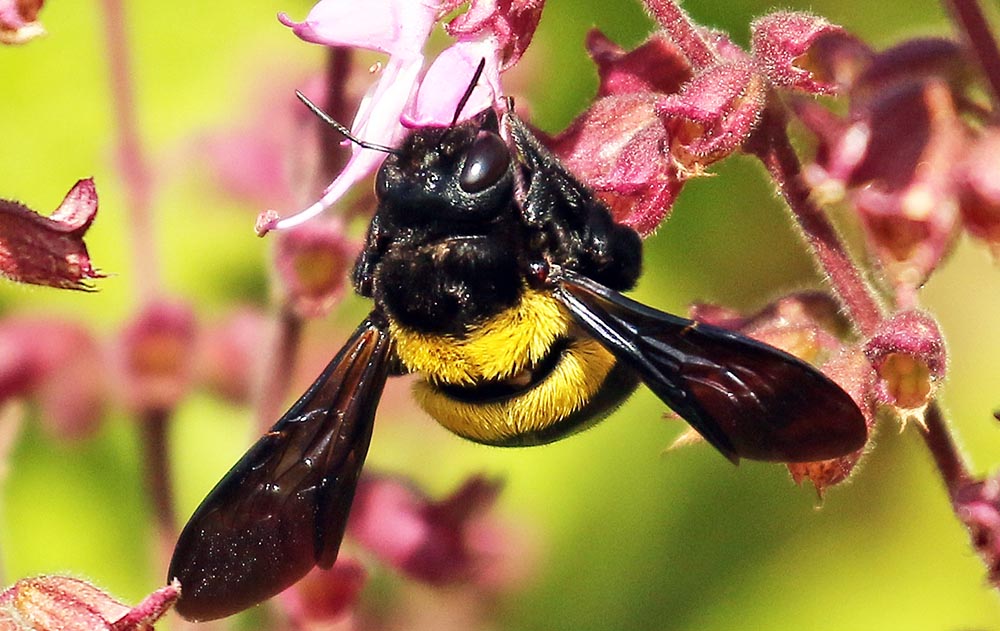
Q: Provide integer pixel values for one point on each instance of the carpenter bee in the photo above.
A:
(495, 275)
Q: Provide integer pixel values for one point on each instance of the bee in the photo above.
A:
(497, 276)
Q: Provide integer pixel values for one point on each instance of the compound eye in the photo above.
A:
(485, 163)
(381, 184)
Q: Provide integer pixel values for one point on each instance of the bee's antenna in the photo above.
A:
(345, 132)
(468, 91)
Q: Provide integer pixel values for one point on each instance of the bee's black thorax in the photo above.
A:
(450, 245)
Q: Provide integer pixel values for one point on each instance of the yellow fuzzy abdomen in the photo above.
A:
(498, 349)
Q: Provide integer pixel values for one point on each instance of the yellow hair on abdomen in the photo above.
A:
(497, 348)
(576, 379)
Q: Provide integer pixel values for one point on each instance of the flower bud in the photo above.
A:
(323, 597)
(157, 352)
(59, 364)
(49, 250)
(18, 21)
(61, 603)
(810, 326)
(428, 540)
(782, 47)
(979, 192)
(656, 66)
(851, 371)
(908, 354)
(313, 261)
(714, 113)
(228, 355)
(618, 147)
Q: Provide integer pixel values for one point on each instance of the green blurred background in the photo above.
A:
(626, 536)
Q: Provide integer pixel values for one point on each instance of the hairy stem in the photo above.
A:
(969, 16)
(770, 143)
(949, 461)
(682, 32)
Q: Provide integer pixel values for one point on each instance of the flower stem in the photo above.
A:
(770, 143)
(136, 175)
(682, 32)
(969, 17)
(130, 156)
(154, 426)
(949, 461)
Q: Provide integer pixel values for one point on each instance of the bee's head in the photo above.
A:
(458, 173)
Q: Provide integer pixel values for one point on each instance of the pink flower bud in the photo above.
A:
(313, 262)
(851, 371)
(810, 326)
(49, 250)
(427, 540)
(324, 596)
(919, 60)
(157, 353)
(909, 206)
(73, 394)
(782, 47)
(714, 113)
(908, 354)
(227, 360)
(619, 148)
(979, 192)
(655, 66)
(18, 21)
(61, 603)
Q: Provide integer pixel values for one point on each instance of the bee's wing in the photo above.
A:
(283, 507)
(748, 399)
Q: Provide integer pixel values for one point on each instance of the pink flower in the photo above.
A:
(494, 32)
(782, 43)
(979, 199)
(431, 541)
(810, 326)
(49, 250)
(896, 153)
(396, 27)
